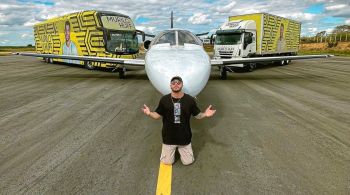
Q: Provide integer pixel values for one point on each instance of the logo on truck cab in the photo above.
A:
(232, 24)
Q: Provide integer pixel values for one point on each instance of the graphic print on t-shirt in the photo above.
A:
(177, 112)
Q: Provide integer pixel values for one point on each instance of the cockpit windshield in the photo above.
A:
(186, 37)
(167, 37)
(176, 37)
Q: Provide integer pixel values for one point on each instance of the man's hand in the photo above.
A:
(146, 110)
(208, 112)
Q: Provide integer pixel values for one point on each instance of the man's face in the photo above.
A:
(176, 85)
(67, 32)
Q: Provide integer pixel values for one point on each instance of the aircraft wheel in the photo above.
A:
(223, 73)
(89, 65)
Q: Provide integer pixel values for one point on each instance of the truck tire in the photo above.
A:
(283, 63)
(89, 65)
(250, 67)
(223, 73)
(122, 72)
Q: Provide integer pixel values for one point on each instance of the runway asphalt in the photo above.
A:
(278, 130)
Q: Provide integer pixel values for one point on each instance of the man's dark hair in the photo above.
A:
(176, 78)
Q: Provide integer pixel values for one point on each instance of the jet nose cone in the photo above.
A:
(192, 64)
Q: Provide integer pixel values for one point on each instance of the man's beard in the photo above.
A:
(176, 91)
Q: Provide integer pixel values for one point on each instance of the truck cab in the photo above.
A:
(235, 39)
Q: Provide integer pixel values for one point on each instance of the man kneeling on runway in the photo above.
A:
(176, 109)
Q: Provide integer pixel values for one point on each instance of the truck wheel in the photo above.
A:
(283, 62)
(122, 72)
(250, 67)
(223, 73)
(89, 65)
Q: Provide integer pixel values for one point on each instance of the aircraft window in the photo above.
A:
(186, 37)
(168, 37)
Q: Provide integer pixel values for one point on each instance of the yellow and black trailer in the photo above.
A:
(87, 33)
(274, 34)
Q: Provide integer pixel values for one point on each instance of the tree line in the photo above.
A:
(339, 34)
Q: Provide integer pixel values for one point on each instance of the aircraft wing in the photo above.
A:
(201, 34)
(239, 61)
(131, 62)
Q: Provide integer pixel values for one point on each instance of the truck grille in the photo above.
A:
(225, 54)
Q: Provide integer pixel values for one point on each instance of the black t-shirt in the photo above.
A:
(176, 123)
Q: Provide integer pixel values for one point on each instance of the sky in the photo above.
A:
(17, 17)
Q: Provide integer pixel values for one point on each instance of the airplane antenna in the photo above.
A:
(171, 22)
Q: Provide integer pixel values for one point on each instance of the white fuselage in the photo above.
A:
(189, 61)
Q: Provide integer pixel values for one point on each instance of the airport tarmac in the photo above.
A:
(277, 130)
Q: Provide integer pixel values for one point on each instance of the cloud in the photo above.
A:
(147, 29)
(25, 36)
(329, 30)
(312, 30)
(226, 8)
(300, 16)
(4, 42)
(336, 7)
(179, 19)
(338, 10)
(347, 21)
(199, 18)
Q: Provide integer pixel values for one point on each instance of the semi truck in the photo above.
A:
(256, 35)
(88, 33)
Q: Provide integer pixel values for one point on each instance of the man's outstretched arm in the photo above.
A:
(208, 113)
(148, 112)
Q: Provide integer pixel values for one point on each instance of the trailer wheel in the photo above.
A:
(250, 67)
(122, 72)
(89, 65)
(283, 62)
(223, 73)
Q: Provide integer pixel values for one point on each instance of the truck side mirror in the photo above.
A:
(250, 40)
(146, 44)
(212, 39)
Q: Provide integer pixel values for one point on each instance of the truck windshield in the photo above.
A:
(122, 42)
(228, 39)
